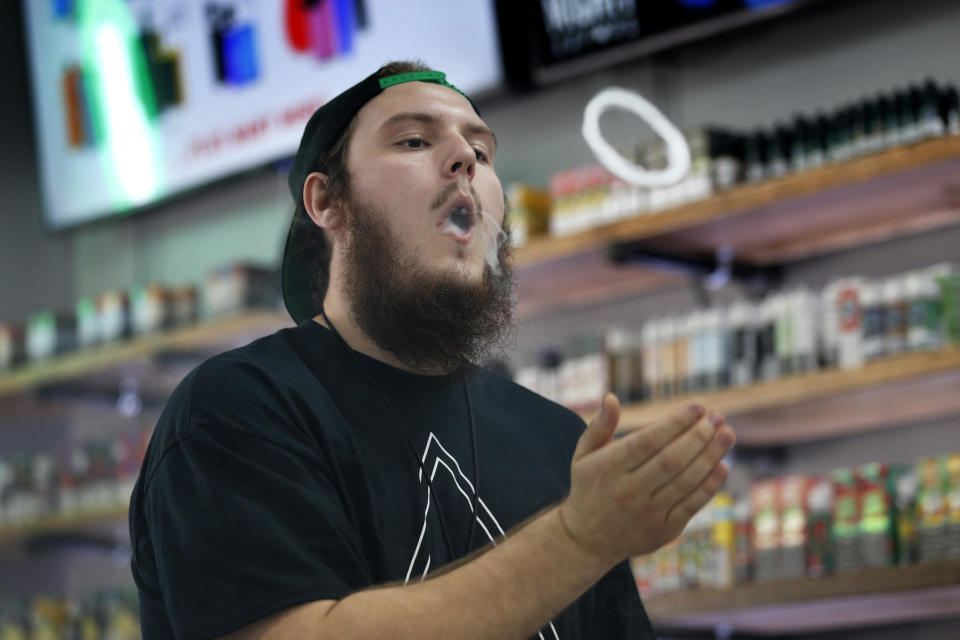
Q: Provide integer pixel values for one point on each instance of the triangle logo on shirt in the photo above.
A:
(444, 468)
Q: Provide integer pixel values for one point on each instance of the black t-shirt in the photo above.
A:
(277, 475)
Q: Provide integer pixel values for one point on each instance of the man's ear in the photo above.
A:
(318, 204)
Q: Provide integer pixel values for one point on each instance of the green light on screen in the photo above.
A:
(123, 106)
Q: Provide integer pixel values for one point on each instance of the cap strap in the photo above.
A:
(436, 77)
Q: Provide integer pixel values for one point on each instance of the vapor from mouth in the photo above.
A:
(462, 222)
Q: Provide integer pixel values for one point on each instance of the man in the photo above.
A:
(358, 476)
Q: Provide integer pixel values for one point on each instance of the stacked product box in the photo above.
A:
(850, 322)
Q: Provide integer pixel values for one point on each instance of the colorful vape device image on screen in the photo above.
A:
(234, 42)
(324, 28)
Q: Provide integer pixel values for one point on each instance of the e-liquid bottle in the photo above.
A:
(874, 321)
(856, 116)
(683, 354)
(755, 150)
(950, 110)
(743, 343)
(802, 309)
(783, 334)
(650, 358)
(923, 302)
(777, 154)
(889, 121)
(895, 302)
(666, 337)
(849, 309)
(769, 365)
(873, 126)
(798, 143)
(906, 117)
(931, 125)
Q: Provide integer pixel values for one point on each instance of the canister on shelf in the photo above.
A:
(877, 526)
(667, 341)
(650, 360)
(932, 510)
(925, 311)
(820, 518)
(743, 343)
(874, 321)
(765, 508)
(895, 326)
(952, 467)
(906, 487)
(846, 518)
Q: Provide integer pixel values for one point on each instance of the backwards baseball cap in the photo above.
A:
(321, 133)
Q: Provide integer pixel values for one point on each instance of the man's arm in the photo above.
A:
(628, 497)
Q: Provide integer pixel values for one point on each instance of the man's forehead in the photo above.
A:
(421, 97)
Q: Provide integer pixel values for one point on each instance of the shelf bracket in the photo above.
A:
(708, 272)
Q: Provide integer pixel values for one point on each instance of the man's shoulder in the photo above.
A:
(262, 389)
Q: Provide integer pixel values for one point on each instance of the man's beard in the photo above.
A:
(433, 323)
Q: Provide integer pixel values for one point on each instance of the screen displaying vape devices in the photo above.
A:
(138, 100)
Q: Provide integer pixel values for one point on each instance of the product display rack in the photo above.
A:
(864, 597)
(893, 193)
(840, 206)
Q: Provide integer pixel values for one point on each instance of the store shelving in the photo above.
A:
(233, 330)
(858, 598)
(830, 402)
(56, 524)
(897, 192)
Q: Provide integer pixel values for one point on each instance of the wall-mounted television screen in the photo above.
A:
(138, 100)
(547, 40)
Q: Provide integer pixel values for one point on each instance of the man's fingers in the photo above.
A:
(678, 487)
(675, 458)
(680, 513)
(600, 430)
(639, 446)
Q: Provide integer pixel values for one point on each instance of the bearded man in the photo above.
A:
(359, 475)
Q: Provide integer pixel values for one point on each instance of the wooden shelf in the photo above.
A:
(906, 183)
(898, 192)
(93, 520)
(829, 403)
(214, 334)
(860, 598)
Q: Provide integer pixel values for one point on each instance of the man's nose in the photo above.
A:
(463, 161)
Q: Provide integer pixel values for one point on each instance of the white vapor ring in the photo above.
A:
(678, 153)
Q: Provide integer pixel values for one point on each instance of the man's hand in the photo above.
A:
(635, 494)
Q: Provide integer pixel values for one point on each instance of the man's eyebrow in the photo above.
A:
(429, 118)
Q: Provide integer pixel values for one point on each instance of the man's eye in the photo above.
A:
(414, 143)
(481, 156)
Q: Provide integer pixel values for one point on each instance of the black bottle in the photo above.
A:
(778, 151)
(798, 143)
(950, 110)
(906, 117)
(872, 126)
(856, 116)
(889, 121)
(929, 113)
(755, 156)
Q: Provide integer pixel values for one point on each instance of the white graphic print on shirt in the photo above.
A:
(436, 457)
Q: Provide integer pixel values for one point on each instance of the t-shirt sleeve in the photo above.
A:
(242, 527)
(618, 612)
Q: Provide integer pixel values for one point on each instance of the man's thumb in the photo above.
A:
(600, 430)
